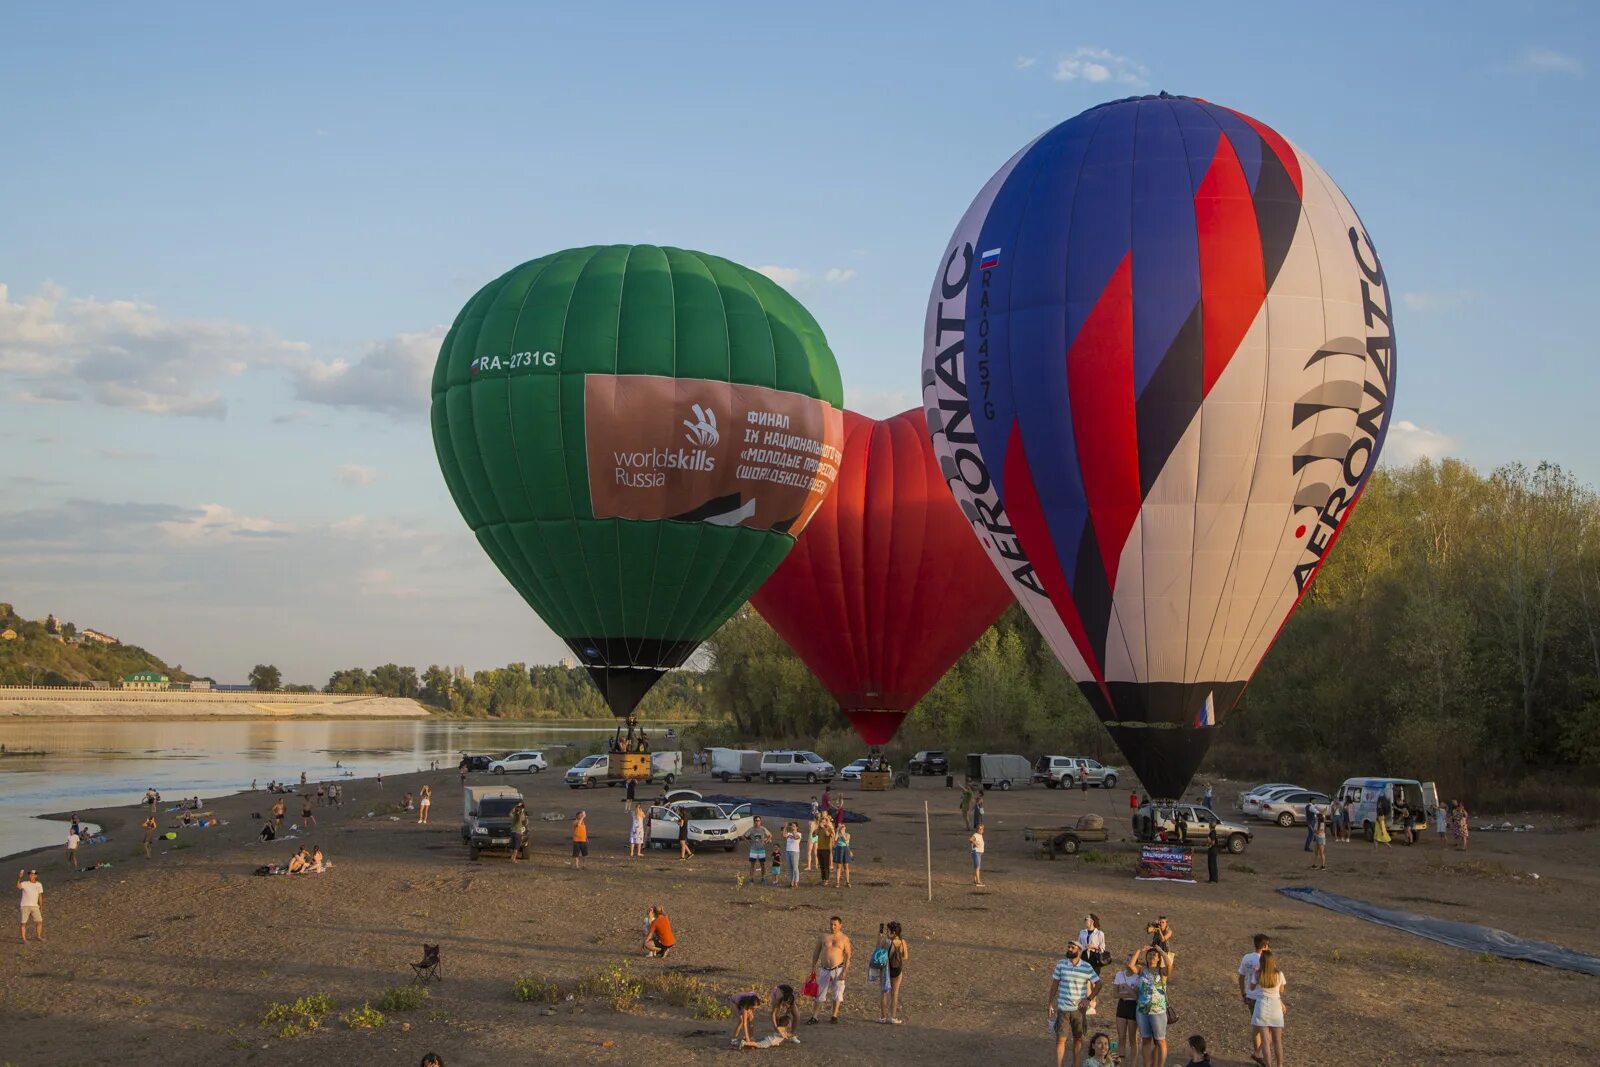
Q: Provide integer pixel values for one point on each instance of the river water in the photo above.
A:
(94, 764)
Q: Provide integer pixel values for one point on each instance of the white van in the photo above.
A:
(795, 765)
(1363, 793)
(730, 763)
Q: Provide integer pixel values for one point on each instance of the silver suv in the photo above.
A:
(1153, 820)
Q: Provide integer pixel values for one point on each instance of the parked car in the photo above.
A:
(1056, 771)
(928, 761)
(1264, 788)
(792, 765)
(851, 772)
(994, 770)
(1421, 797)
(476, 763)
(527, 762)
(1253, 801)
(730, 763)
(676, 795)
(486, 817)
(589, 771)
(1287, 809)
(1233, 836)
(709, 824)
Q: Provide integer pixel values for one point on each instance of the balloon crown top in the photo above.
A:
(1162, 95)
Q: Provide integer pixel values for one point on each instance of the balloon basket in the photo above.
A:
(633, 766)
(876, 781)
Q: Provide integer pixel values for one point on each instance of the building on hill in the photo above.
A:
(8, 634)
(145, 680)
(52, 625)
(98, 637)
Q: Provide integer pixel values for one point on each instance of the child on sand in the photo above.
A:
(976, 844)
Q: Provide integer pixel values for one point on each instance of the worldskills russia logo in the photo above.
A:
(702, 432)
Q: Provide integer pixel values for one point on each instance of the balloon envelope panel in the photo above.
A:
(887, 587)
(635, 435)
(1158, 369)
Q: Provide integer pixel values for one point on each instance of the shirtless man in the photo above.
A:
(831, 961)
(149, 825)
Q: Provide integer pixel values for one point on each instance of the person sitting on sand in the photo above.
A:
(298, 862)
(406, 803)
(658, 938)
(318, 862)
(267, 834)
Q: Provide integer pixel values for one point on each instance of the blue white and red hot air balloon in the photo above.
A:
(1158, 370)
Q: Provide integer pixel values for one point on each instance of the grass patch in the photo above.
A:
(1241, 868)
(615, 985)
(1094, 855)
(301, 1017)
(687, 991)
(532, 990)
(1487, 957)
(365, 1017)
(402, 998)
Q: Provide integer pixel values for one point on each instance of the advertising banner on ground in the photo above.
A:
(1165, 863)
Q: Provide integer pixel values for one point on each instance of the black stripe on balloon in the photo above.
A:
(1091, 592)
(1277, 212)
(1152, 724)
(624, 669)
(1170, 399)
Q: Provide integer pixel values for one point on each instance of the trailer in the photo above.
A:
(730, 763)
(998, 770)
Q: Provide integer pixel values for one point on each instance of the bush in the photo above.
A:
(402, 998)
(303, 1016)
(365, 1017)
(529, 989)
(615, 985)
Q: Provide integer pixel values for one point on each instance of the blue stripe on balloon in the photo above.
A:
(1166, 251)
(1200, 137)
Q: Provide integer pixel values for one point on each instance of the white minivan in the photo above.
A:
(793, 765)
(1363, 793)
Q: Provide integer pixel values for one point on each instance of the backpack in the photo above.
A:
(877, 965)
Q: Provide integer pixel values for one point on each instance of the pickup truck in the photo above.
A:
(1062, 771)
(1056, 840)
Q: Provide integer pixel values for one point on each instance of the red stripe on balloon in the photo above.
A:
(1232, 279)
(1027, 518)
(1104, 420)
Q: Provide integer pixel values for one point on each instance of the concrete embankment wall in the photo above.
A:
(53, 703)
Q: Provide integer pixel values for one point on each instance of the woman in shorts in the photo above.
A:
(1154, 968)
(841, 856)
(424, 805)
(1267, 1018)
(1126, 984)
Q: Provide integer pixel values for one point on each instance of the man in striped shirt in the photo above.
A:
(1073, 985)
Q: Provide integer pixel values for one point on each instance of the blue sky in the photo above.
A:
(229, 248)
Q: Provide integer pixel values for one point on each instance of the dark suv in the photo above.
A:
(476, 763)
(928, 762)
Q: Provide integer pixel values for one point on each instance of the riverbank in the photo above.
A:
(130, 945)
(65, 704)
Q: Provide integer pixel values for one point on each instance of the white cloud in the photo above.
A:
(375, 581)
(796, 278)
(1100, 65)
(880, 403)
(1024, 62)
(122, 353)
(1407, 442)
(784, 276)
(355, 476)
(1443, 300)
(214, 522)
(1547, 61)
(392, 376)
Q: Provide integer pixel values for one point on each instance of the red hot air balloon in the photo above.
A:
(887, 586)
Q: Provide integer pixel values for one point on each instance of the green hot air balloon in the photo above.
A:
(636, 435)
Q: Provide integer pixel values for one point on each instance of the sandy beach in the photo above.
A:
(176, 959)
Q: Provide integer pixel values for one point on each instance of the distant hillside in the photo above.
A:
(52, 652)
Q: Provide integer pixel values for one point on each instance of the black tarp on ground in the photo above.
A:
(1461, 935)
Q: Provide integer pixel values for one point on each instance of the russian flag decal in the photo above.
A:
(989, 260)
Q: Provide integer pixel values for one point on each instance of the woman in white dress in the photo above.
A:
(1267, 1018)
(636, 832)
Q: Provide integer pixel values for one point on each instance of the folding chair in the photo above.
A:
(428, 969)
